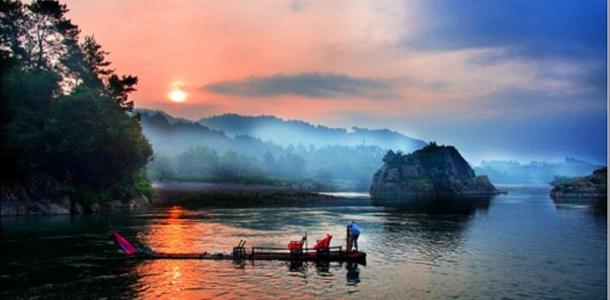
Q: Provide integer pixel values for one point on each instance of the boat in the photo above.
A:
(327, 254)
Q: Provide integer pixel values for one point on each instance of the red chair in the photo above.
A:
(296, 245)
(324, 243)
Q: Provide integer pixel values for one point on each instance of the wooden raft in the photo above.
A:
(335, 254)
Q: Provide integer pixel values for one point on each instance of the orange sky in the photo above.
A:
(263, 56)
(199, 43)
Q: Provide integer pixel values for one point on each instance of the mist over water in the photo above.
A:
(266, 149)
(518, 245)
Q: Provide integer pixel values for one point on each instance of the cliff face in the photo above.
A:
(431, 171)
(592, 186)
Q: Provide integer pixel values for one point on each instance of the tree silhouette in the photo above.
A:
(63, 109)
(119, 88)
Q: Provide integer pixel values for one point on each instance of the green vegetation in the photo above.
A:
(418, 183)
(65, 114)
(348, 166)
(204, 164)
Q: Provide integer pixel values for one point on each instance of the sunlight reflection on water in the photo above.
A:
(515, 246)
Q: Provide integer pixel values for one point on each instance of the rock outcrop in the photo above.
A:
(592, 186)
(431, 171)
(43, 195)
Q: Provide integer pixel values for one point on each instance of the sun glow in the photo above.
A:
(177, 95)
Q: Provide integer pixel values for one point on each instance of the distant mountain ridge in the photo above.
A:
(170, 135)
(269, 128)
(270, 142)
(188, 150)
(535, 172)
(294, 132)
(152, 113)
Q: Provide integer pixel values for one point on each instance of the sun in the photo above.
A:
(177, 95)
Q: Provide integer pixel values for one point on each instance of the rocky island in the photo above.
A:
(429, 172)
(594, 186)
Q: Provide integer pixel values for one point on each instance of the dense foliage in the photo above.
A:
(187, 150)
(65, 113)
(333, 166)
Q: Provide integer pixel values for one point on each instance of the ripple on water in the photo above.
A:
(514, 248)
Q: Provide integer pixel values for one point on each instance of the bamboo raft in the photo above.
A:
(335, 254)
(326, 254)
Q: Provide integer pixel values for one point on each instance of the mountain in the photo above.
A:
(188, 150)
(170, 136)
(149, 113)
(294, 132)
(535, 172)
(431, 171)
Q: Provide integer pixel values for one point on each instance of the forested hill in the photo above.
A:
(188, 150)
(68, 141)
(294, 132)
(171, 136)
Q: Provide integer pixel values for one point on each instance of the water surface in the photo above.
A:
(518, 245)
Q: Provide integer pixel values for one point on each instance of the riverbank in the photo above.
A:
(43, 194)
(169, 192)
(30, 201)
(558, 252)
(26, 207)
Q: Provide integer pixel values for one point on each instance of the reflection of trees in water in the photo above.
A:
(429, 228)
(597, 206)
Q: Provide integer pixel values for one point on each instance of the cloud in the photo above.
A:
(563, 42)
(533, 29)
(510, 135)
(529, 105)
(313, 85)
(298, 5)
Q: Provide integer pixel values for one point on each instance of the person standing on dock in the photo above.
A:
(353, 232)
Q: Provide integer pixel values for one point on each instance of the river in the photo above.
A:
(516, 245)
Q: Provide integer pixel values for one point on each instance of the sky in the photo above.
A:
(514, 79)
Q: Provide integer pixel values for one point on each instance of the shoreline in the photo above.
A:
(170, 192)
(166, 193)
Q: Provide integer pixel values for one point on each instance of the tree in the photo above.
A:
(161, 167)
(63, 109)
(293, 165)
(198, 161)
(12, 27)
(27, 104)
(95, 56)
(87, 62)
(44, 41)
(390, 157)
(270, 164)
(119, 88)
(98, 147)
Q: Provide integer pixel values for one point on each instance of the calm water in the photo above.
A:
(519, 245)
